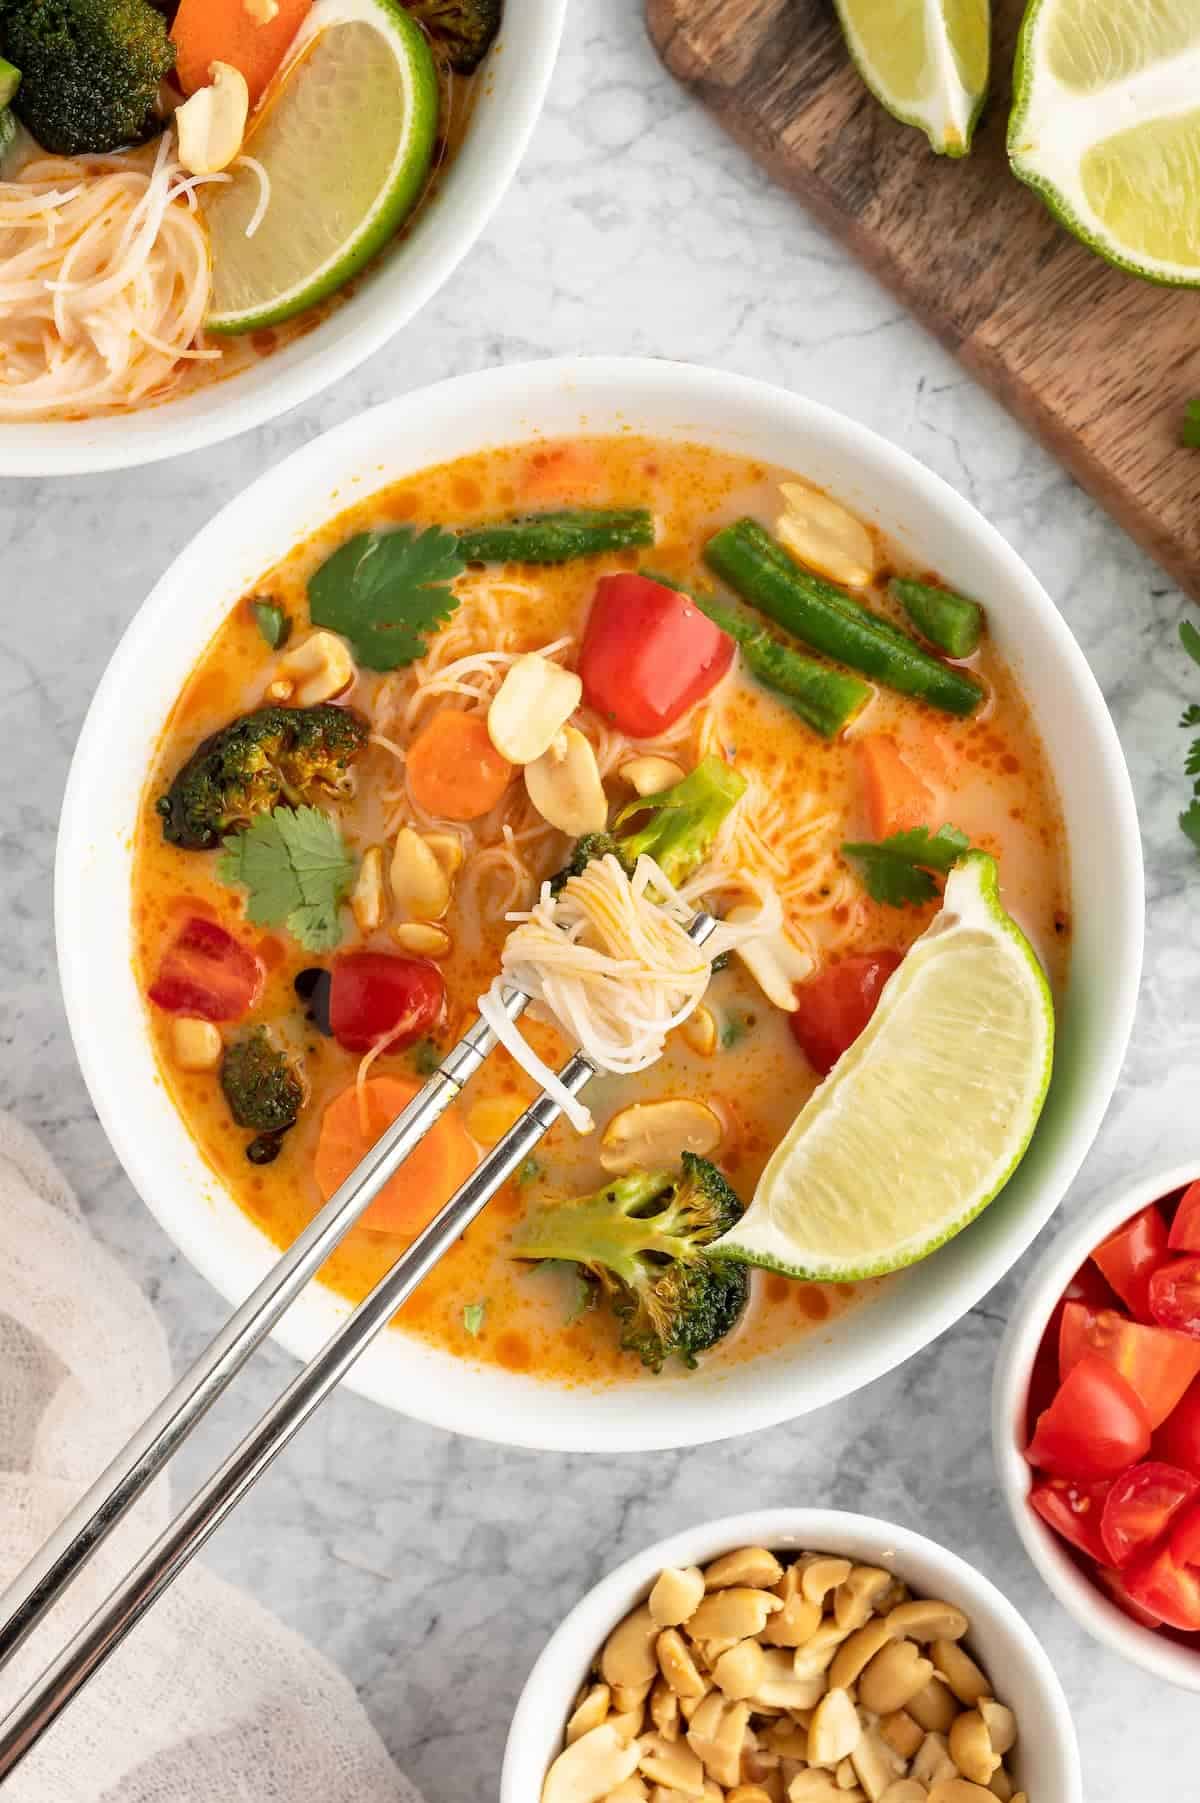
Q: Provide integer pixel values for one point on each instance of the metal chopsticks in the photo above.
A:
(34, 1590)
(33, 1593)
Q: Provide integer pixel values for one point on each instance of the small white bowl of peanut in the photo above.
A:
(793, 1656)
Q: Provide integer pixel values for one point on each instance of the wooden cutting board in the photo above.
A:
(1097, 363)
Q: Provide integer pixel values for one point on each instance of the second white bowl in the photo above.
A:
(1014, 1365)
(1046, 1761)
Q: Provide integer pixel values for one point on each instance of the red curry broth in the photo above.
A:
(987, 774)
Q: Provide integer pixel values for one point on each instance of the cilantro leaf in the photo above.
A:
(1190, 430)
(529, 1172)
(386, 591)
(295, 865)
(1190, 715)
(1189, 820)
(473, 1315)
(272, 623)
(896, 870)
(1191, 763)
(1189, 638)
(425, 1057)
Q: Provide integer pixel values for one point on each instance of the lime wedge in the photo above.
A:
(926, 60)
(927, 1115)
(1106, 127)
(346, 137)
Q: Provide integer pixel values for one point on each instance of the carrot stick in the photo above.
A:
(442, 1161)
(225, 31)
(454, 771)
(896, 797)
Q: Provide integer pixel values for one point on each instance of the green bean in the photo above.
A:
(557, 537)
(951, 622)
(825, 699)
(822, 616)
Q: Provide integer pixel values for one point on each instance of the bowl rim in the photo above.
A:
(1141, 1646)
(396, 297)
(605, 1602)
(520, 387)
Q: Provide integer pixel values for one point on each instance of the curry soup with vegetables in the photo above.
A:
(312, 936)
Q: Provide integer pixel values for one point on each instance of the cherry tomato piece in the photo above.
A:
(1130, 1256)
(1185, 1228)
(1178, 1439)
(834, 1006)
(376, 995)
(205, 971)
(1113, 1582)
(1141, 1506)
(1166, 1589)
(1088, 1285)
(648, 654)
(1185, 1536)
(1095, 1426)
(1157, 1363)
(1074, 1511)
(1175, 1296)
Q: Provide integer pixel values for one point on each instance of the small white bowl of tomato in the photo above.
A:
(1096, 1422)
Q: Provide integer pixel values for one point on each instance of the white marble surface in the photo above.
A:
(430, 1568)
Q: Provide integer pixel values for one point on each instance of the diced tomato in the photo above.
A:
(897, 798)
(205, 971)
(1185, 1228)
(1073, 1510)
(648, 654)
(1175, 1296)
(376, 995)
(1114, 1583)
(834, 1006)
(1088, 1285)
(1095, 1426)
(1141, 1506)
(1130, 1256)
(1178, 1439)
(1185, 1536)
(1166, 1588)
(1160, 1365)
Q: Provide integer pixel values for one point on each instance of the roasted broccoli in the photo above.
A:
(264, 1089)
(642, 1239)
(675, 827)
(291, 755)
(90, 70)
(462, 29)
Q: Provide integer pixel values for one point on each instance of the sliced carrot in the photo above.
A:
(225, 31)
(442, 1161)
(568, 472)
(454, 770)
(896, 797)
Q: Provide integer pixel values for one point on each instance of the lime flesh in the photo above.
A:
(926, 60)
(346, 139)
(1106, 127)
(922, 1122)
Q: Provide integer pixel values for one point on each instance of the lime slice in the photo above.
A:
(926, 60)
(346, 138)
(927, 1115)
(1106, 127)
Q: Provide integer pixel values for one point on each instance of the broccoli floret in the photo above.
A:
(292, 755)
(683, 820)
(676, 827)
(643, 1239)
(463, 29)
(264, 1090)
(90, 70)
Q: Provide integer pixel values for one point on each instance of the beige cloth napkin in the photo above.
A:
(210, 1700)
